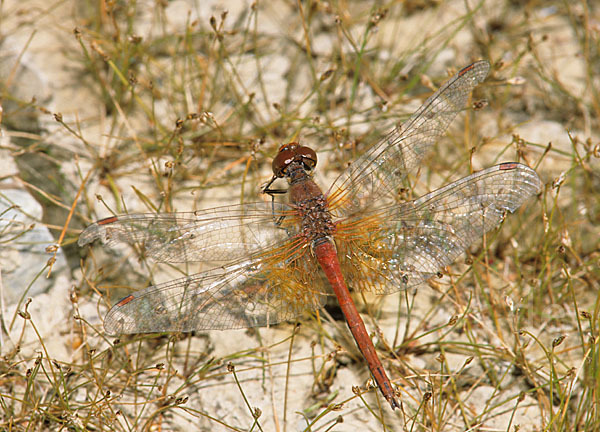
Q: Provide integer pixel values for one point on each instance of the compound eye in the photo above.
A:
(308, 157)
(286, 155)
(293, 152)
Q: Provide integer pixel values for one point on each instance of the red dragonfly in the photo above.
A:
(272, 262)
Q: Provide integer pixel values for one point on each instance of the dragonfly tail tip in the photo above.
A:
(393, 403)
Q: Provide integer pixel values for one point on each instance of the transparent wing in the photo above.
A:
(264, 276)
(263, 291)
(222, 234)
(417, 239)
(374, 178)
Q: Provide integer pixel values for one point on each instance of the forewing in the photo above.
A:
(222, 234)
(374, 178)
(415, 240)
(276, 287)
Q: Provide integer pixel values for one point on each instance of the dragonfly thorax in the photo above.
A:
(317, 222)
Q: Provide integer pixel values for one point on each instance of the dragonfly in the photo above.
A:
(272, 261)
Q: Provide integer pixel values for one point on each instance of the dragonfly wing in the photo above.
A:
(376, 175)
(249, 293)
(418, 238)
(220, 234)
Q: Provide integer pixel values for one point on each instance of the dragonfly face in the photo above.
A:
(293, 153)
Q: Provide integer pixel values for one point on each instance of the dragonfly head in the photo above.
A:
(290, 153)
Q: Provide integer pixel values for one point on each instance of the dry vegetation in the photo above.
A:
(161, 106)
